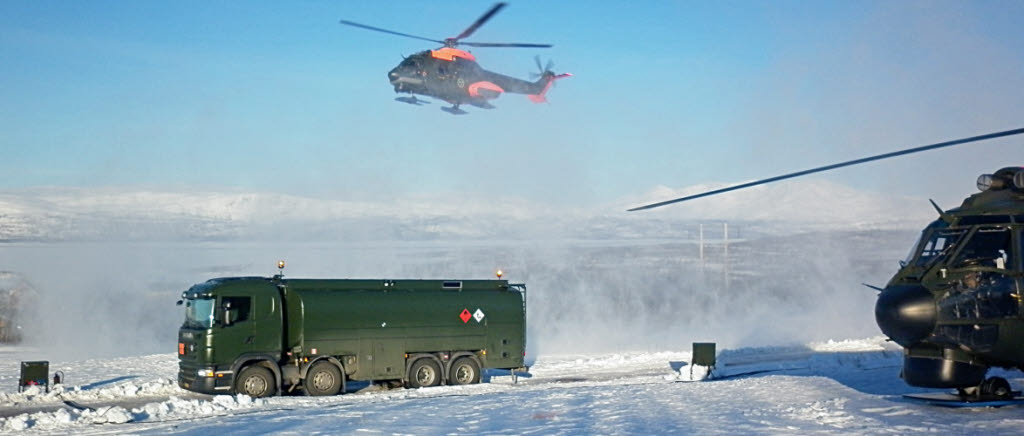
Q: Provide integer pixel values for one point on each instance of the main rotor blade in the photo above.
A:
(834, 166)
(480, 21)
(363, 26)
(504, 44)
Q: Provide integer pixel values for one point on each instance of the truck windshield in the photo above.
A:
(199, 312)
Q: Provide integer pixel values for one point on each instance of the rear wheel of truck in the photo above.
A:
(256, 382)
(323, 378)
(424, 373)
(465, 371)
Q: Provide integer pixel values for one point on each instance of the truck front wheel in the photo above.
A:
(323, 378)
(255, 381)
(424, 373)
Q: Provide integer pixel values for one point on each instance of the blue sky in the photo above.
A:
(272, 96)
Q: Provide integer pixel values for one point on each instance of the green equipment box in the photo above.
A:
(703, 354)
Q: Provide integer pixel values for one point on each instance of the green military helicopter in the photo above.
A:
(955, 305)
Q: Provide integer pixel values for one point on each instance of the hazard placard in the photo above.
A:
(465, 315)
(478, 315)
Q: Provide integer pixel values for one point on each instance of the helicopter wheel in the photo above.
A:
(996, 387)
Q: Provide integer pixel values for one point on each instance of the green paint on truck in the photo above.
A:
(264, 336)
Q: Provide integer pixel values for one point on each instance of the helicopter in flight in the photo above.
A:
(956, 304)
(453, 75)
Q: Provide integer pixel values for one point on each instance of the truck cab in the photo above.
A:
(229, 322)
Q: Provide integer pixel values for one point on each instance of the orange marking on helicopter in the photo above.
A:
(539, 97)
(475, 87)
(449, 54)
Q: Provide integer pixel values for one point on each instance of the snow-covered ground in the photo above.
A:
(845, 387)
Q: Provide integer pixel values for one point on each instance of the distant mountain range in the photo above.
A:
(65, 214)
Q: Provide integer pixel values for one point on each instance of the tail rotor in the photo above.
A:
(547, 69)
(545, 77)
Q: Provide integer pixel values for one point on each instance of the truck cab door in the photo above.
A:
(236, 334)
(266, 324)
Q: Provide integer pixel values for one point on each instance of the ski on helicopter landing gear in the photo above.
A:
(412, 100)
(993, 392)
(454, 110)
(954, 400)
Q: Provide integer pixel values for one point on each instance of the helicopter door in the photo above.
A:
(986, 272)
(983, 291)
(987, 246)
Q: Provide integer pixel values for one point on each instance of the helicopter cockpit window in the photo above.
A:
(411, 63)
(988, 246)
(922, 240)
(936, 244)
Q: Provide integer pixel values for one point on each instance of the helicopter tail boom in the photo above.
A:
(544, 83)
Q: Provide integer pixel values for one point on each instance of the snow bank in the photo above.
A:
(815, 358)
(66, 418)
(174, 408)
(35, 395)
(818, 358)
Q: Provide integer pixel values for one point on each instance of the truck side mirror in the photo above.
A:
(229, 314)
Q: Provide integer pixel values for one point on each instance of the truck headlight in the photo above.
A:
(205, 373)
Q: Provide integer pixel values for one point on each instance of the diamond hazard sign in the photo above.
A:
(478, 315)
(465, 315)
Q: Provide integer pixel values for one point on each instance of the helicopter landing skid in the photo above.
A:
(412, 100)
(952, 400)
(454, 110)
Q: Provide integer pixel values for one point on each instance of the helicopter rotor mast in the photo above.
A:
(833, 166)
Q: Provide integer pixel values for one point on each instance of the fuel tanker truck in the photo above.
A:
(263, 336)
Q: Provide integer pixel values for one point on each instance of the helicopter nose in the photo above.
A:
(906, 313)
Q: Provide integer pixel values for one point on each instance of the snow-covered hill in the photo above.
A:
(57, 214)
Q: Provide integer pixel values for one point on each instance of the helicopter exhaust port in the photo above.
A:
(906, 313)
